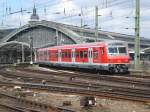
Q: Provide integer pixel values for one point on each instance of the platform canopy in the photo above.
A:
(13, 45)
(146, 50)
(14, 52)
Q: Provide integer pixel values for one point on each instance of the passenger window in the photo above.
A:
(95, 54)
(77, 54)
(56, 55)
(81, 54)
(63, 55)
(69, 55)
(102, 51)
(85, 54)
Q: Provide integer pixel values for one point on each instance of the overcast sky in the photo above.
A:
(116, 15)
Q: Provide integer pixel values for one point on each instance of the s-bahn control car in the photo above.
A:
(110, 56)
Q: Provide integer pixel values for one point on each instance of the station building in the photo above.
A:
(17, 44)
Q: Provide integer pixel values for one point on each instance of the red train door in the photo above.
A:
(81, 55)
(98, 54)
(90, 57)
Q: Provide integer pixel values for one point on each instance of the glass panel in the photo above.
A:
(85, 54)
(95, 54)
(81, 54)
(112, 50)
(102, 51)
(122, 50)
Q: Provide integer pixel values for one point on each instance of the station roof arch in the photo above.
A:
(71, 34)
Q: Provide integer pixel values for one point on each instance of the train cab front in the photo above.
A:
(118, 58)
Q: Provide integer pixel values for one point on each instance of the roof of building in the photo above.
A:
(88, 33)
(13, 45)
(5, 32)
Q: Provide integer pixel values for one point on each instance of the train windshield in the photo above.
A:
(117, 50)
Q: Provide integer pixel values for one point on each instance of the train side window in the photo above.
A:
(77, 54)
(56, 55)
(63, 54)
(66, 54)
(102, 51)
(95, 54)
(81, 54)
(59, 54)
(49, 54)
(45, 54)
(69, 55)
(85, 54)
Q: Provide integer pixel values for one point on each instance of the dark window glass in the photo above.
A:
(102, 50)
(69, 55)
(95, 54)
(122, 50)
(113, 50)
(81, 54)
(63, 54)
(77, 54)
(56, 55)
(85, 54)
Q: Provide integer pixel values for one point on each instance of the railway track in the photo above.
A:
(78, 87)
(23, 105)
(133, 73)
(122, 93)
(18, 109)
(31, 77)
(112, 94)
(139, 80)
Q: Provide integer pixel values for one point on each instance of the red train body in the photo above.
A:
(111, 56)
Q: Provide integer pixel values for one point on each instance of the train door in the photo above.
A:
(66, 55)
(81, 55)
(59, 55)
(102, 54)
(98, 54)
(73, 55)
(90, 50)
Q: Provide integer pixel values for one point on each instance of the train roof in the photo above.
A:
(84, 45)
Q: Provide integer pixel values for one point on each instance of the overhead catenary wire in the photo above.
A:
(73, 14)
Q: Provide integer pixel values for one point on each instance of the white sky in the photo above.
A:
(116, 15)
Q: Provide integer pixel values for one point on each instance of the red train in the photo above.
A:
(110, 56)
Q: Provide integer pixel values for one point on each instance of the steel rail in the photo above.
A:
(74, 83)
(41, 105)
(103, 77)
(111, 94)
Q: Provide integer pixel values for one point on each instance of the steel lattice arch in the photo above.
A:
(48, 33)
